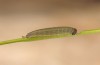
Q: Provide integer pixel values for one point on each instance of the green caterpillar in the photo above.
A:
(53, 31)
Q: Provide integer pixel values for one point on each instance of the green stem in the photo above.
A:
(89, 32)
(47, 37)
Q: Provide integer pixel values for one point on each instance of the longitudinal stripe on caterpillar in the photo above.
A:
(52, 31)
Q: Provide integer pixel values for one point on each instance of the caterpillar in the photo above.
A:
(52, 31)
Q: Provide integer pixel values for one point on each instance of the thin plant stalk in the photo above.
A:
(85, 32)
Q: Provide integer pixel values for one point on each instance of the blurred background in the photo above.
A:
(18, 17)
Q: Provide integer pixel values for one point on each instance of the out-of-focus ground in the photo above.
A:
(19, 17)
